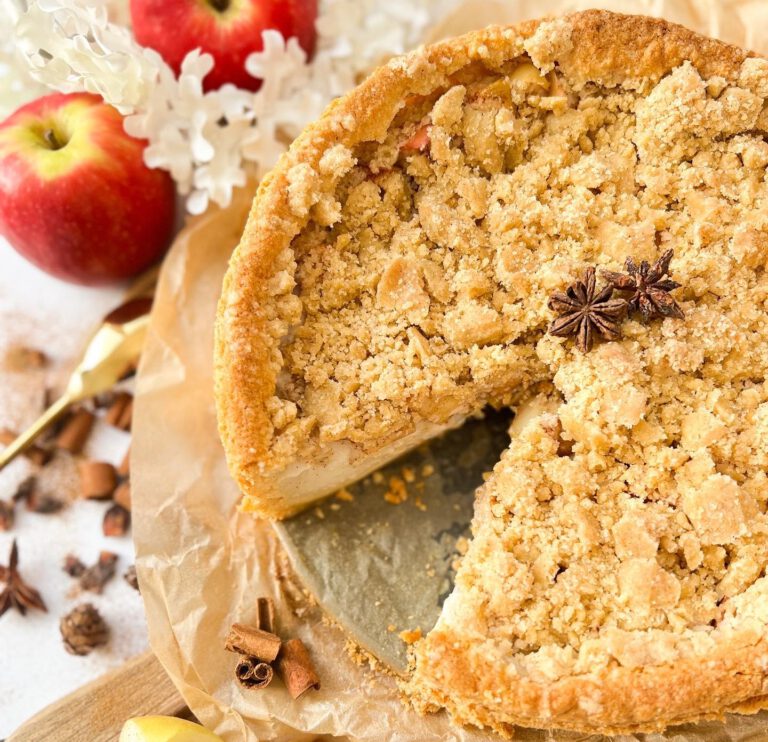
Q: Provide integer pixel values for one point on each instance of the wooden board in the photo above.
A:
(97, 711)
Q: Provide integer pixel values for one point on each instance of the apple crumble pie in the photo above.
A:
(573, 211)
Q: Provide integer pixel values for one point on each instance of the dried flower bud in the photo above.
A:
(25, 489)
(105, 399)
(43, 504)
(73, 566)
(83, 629)
(117, 521)
(96, 577)
(131, 577)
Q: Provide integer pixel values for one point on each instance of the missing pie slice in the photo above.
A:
(396, 276)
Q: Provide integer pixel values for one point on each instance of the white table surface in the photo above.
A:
(40, 311)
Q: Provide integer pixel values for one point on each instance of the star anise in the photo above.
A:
(17, 594)
(583, 310)
(650, 286)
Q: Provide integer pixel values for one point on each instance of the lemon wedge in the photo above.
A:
(165, 729)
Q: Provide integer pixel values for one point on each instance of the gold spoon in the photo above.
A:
(112, 349)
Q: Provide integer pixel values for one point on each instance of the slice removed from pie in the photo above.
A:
(396, 275)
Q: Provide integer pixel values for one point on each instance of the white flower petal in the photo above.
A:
(203, 139)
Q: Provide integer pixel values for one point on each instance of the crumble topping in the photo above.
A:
(627, 524)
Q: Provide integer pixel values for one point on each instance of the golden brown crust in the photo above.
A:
(609, 47)
(614, 700)
(613, 50)
(247, 360)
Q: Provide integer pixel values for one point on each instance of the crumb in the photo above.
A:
(410, 636)
(397, 492)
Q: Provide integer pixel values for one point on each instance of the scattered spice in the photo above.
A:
(263, 645)
(25, 489)
(117, 521)
(120, 411)
(131, 577)
(104, 399)
(73, 566)
(20, 359)
(36, 502)
(83, 629)
(44, 504)
(253, 674)
(98, 479)
(94, 578)
(583, 310)
(295, 667)
(122, 495)
(7, 515)
(36, 454)
(75, 432)
(649, 286)
(17, 594)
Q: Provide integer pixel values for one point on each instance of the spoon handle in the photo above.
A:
(53, 413)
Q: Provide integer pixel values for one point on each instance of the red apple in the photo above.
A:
(228, 30)
(76, 198)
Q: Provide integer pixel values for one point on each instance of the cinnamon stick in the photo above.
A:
(254, 642)
(294, 665)
(265, 615)
(126, 419)
(253, 674)
(98, 479)
(122, 495)
(119, 411)
(75, 432)
(34, 453)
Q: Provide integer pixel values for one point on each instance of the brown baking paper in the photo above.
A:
(202, 564)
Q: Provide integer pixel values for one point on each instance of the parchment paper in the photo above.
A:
(202, 564)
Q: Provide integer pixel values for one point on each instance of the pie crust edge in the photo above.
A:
(610, 48)
(249, 325)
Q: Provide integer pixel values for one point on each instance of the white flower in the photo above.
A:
(204, 140)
